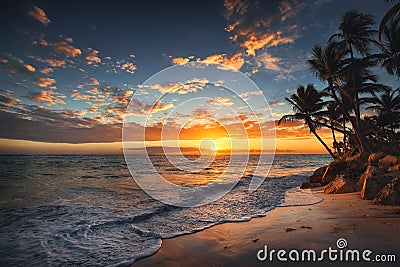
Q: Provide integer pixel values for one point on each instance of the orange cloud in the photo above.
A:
(46, 70)
(94, 81)
(29, 68)
(289, 8)
(76, 95)
(253, 42)
(49, 97)
(39, 14)
(93, 58)
(45, 82)
(63, 47)
(129, 67)
(181, 88)
(180, 60)
(235, 61)
(235, 6)
(270, 62)
(94, 91)
(8, 101)
(218, 100)
(55, 62)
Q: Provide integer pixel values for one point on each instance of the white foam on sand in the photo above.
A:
(300, 197)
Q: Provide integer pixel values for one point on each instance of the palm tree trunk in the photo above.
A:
(356, 125)
(335, 143)
(323, 143)
(344, 136)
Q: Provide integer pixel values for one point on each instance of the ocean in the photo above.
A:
(87, 209)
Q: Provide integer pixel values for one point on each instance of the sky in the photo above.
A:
(68, 69)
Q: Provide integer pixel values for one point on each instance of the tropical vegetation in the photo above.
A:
(354, 103)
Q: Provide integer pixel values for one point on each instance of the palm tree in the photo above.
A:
(355, 31)
(307, 105)
(333, 114)
(387, 106)
(327, 63)
(389, 37)
(388, 15)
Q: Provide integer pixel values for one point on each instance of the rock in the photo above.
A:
(370, 171)
(387, 161)
(356, 167)
(316, 177)
(374, 158)
(307, 185)
(390, 194)
(288, 229)
(341, 185)
(373, 184)
(332, 170)
(394, 168)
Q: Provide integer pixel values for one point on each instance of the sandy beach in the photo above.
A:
(318, 226)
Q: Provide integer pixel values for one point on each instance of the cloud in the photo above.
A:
(138, 108)
(51, 126)
(46, 70)
(29, 68)
(276, 103)
(254, 42)
(45, 82)
(94, 81)
(235, 61)
(251, 30)
(270, 62)
(128, 67)
(76, 95)
(94, 91)
(180, 60)
(92, 58)
(190, 86)
(8, 101)
(66, 49)
(49, 97)
(218, 100)
(16, 65)
(251, 93)
(39, 14)
(235, 6)
(55, 62)
(289, 9)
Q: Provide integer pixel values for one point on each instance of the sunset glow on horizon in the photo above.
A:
(66, 80)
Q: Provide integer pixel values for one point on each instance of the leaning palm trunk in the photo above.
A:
(335, 143)
(323, 143)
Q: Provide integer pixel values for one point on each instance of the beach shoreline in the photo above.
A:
(318, 226)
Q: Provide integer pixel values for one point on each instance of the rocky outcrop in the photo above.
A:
(387, 161)
(369, 172)
(394, 168)
(316, 177)
(341, 184)
(374, 158)
(332, 170)
(373, 184)
(390, 194)
(307, 185)
(374, 174)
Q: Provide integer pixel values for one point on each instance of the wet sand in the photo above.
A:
(319, 226)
